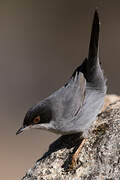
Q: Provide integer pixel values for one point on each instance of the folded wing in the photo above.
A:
(68, 100)
(74, 94)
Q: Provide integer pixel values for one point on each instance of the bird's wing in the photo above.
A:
(69, 99)
(74, 94)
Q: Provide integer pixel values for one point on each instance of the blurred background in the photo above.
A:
(41, 42)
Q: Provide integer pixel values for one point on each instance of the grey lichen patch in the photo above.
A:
(98, 160)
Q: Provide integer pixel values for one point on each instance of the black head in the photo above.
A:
(37, 115)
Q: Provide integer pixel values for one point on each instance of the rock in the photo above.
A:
(99, 158)
(111, 98)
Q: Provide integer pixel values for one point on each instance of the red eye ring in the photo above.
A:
(36, 120)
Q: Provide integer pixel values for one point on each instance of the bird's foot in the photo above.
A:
(75, 156)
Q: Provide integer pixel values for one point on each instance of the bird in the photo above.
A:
(74, 107)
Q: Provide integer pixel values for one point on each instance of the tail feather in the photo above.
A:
(90, 64)
(93, 47)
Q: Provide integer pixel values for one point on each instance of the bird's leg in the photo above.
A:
(76, 155)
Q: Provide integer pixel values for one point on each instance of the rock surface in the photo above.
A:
(99, 158)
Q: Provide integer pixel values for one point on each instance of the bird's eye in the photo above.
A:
(36, 120)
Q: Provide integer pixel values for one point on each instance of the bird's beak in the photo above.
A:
(19, 131)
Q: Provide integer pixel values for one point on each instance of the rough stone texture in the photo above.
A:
(99, 158)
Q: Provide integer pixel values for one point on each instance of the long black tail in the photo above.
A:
(88, 67)
(93, 46)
